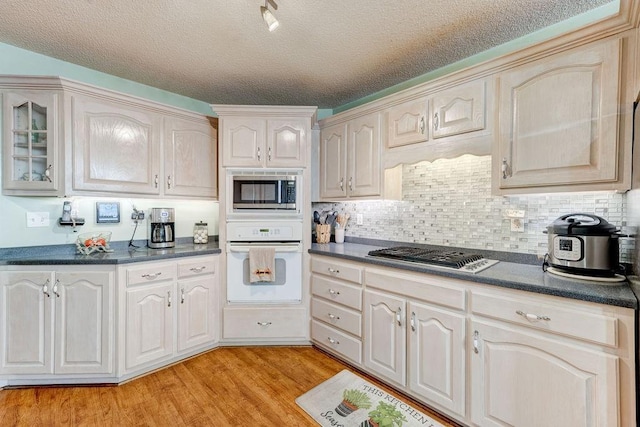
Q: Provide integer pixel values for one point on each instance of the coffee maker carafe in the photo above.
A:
(161, 228)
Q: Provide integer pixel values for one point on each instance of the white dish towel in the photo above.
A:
(262, 265)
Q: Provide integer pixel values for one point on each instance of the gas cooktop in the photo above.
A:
(455, 260)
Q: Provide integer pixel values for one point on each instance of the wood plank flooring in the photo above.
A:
(229, 386)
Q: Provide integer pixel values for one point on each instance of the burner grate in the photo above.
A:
(454, 259)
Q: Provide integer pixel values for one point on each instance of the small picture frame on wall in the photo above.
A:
(108, 212)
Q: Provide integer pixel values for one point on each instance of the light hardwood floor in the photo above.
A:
(230, 386)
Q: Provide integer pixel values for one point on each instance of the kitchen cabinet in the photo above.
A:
(32, 162)
(262, 323)
(538, 360)
(458, 110)
(407, 122)
(171, 309)
(350, 162)
(559, 122)
(190, 158)
(336, 307)
(58, 321)
(272, 136)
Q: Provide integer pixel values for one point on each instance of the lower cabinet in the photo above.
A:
(265, 323)
(57, 321)
(171, 310)
(526, 379)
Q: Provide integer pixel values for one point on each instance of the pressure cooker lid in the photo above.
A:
(582, 224)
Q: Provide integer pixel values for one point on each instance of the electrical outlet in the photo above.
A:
(359, 219)
(517, 225)
(37, 219)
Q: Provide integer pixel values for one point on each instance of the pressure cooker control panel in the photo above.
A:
(567, 248)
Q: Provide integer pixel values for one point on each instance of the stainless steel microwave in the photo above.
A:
(264, 192)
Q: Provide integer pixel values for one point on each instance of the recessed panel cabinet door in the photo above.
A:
(115, 148)
(197, 312)
(559, 119)
(26, 323)
(286, 143)
(407, 123)
(525, 380)
(149, 330)
(437, 356)
(190, 156)
(243, 141)
(333, 161)
(384, 336)
(363, 168)
(459, 110)
(84, 322)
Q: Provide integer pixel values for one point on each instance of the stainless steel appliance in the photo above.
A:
(584, 244)
(161, 228)
(264, 191)
(286, 238)
(450, 259)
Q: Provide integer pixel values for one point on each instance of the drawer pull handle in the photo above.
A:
(399, 316)
(197, 269)
(264, 323)
(413, 321)
(332, 292)
(168, 298)
(45, 289)
(332, 341)
(55, 288)
(333, 316)
(475, 342)
(181, 295)
(151, 276)
(332, 271)
(532, 317)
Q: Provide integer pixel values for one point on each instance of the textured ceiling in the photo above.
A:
(325, 53)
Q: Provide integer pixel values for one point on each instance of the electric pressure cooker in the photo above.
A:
(584, 244)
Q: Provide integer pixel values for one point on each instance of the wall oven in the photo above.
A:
(269, 191)
(285, 237)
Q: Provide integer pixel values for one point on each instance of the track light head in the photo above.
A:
(269, 19)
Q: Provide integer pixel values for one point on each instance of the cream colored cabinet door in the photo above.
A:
(385, 336)
(459, 110)
(116, 148)
(333, 162)
(526, 380)
(27, 322)
(197, 312)
(190, 158)
(32, 164)
(559, 120)
(437, 356)
(84, 322)
(286, 143)
(149, 324)
(363, 156)
(407, 123)
(243, 141)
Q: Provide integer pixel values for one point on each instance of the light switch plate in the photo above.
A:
(37, 219)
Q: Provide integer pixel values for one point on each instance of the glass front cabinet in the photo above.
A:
(30, 132)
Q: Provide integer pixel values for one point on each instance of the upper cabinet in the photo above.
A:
(31, 142)
(271, 137)
(560, 123)
(407, 122)
(66, 138)
(460, 109)
(350, 161)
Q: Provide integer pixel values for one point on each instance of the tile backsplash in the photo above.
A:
(448, 202)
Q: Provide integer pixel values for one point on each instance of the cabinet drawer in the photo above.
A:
(151, 273)
(551, 316)
(335, 291)
(338, 316)
(336, 341)
(287, 322)
(339, 270)
(197, 267)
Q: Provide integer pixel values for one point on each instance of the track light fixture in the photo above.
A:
(269, 19)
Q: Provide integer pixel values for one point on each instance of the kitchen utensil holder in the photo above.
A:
(323, 233)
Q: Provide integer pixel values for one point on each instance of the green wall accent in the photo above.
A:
(14, 60)
(578, 21)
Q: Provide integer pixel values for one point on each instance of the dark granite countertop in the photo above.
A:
(122, 254)
(506, 274)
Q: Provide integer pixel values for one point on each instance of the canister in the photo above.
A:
(200, 233)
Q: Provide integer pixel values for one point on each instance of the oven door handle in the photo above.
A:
(281, 247)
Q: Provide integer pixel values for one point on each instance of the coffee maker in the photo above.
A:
(161, 228)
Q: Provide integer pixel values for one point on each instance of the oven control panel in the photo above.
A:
(267, 231)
